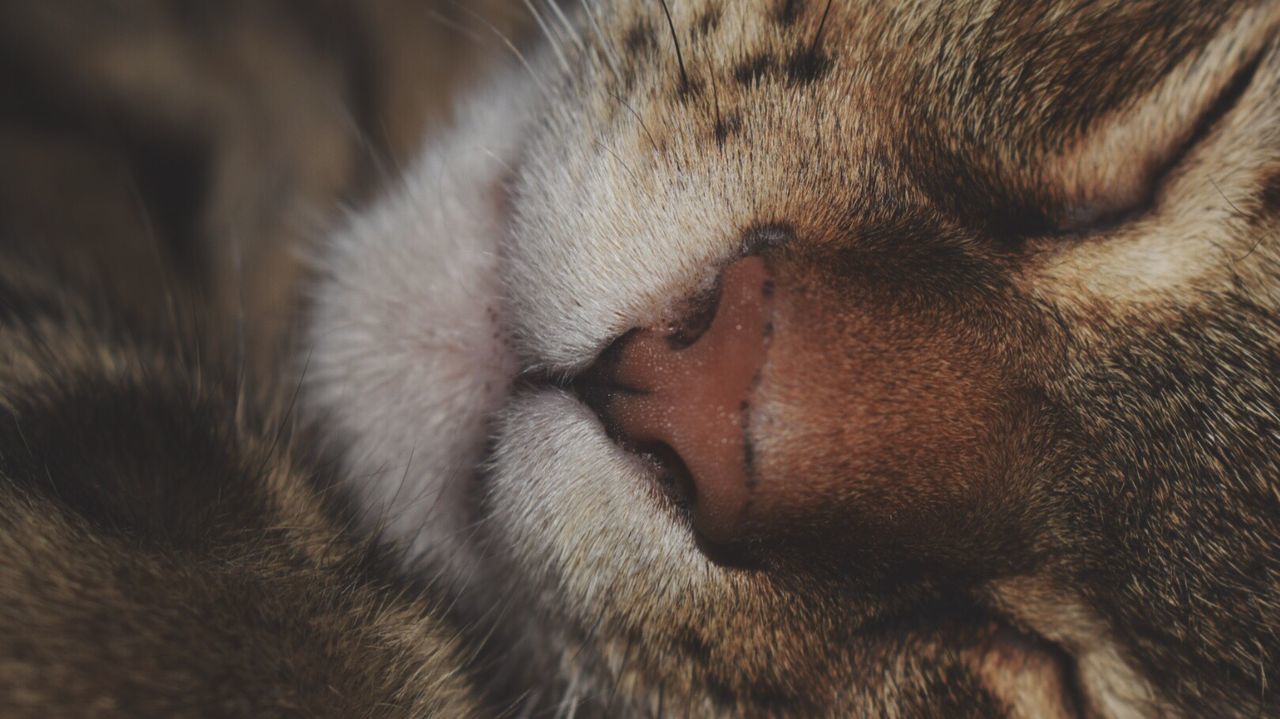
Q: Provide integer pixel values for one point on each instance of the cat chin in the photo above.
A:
(409, 352)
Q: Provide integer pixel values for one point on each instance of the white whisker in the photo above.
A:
(552, 39)
(606, 47)
(568, 26)
(511, 46)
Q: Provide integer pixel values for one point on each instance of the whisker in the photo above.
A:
(621, 161)
(237, 262)
(568, 26)
(551, 37)
(157, 253)
(652, 143)
(381, 166)
(456, 26)
(610, 52)
(618, 678)
(822, 25)
(511, 46)
(684, 75)
(1257, 243)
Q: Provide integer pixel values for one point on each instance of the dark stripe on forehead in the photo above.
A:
(788, 12)
(754, 69)
(640, 38)
(1036, 72)
(707, 22)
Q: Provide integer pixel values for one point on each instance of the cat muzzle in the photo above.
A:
(682, 394)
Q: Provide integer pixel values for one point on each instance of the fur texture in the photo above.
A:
(165, 554)
(1030, 383)
(1019, 406)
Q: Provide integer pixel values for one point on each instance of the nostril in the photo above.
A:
(600, 379)
(696, 320)
(683, 396)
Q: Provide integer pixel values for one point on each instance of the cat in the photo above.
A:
(838, 358)
(793, 358)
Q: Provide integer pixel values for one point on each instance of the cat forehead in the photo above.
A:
(670, 130)
(956, 75)
(794, 107)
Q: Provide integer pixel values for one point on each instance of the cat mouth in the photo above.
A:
(597, 388)
(600, 390)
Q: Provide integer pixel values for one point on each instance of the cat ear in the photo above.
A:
(1115, 169)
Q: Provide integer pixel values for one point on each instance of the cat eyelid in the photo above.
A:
(1115, 173)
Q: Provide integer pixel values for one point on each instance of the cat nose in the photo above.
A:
(688, 390)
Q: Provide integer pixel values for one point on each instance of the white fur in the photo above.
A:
(409, 356)
(628, 248)
(554, 465)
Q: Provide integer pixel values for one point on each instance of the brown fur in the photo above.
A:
(164, 554)
(165, 550)
(216, 142)
(1034, 485)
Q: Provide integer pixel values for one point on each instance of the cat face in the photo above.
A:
(840, 357)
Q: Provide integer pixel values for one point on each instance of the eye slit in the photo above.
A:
(1095, 215)
(1124, 205)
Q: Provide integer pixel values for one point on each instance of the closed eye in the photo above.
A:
(1132, 199)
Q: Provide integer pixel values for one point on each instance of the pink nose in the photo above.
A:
(696, 398)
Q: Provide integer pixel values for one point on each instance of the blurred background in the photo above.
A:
(192, 151)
